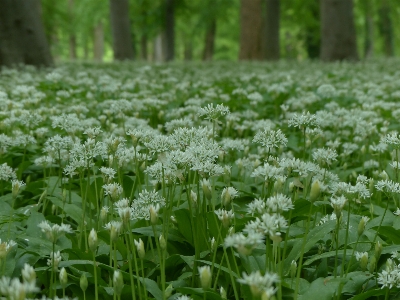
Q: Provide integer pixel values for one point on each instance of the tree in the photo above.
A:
(338, 34)
(170, 29)
(22, 36)
(271, 36)
(386, 28)
(121, 30)
(250, 30)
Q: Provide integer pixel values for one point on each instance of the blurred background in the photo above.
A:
(165, 30)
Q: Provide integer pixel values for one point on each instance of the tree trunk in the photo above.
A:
(386, 28)
(369, 30)
(121, 30)
(271, 37)
(313, 32)
(250, 30)
(188, 52)
(72, 35)
(338, 34)
(160, 47)
(143, 47)
(209, 42)
(22, 36)
(170, 29)
(98, 44)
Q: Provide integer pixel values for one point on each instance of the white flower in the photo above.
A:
(259, 283)
(271, 139)
(213, 113)
(53, 233)
(244, 244)
(325, 156)
(114, 190)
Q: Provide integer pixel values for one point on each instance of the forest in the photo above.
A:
(200, 149)
(165, 30)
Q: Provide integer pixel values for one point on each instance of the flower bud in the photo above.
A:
(315, 190)
(163, 242)
(28, 274)
(83, 282)
(140, 248)
(372, 264)
(118, 282)
(92, 240)
(361, 225)
(389, 265)
(63, 278)
(291, 187)
(113, 233)
(103, 213)
(364, 261)
(293, 269)
(378, 250)
(154, 214)
(222, 292)
(168, 291)
(205, 184)
(205, 277)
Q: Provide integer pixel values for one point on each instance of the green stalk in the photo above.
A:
(96, 289)
(129, 254)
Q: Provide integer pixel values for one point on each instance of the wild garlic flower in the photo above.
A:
(303, 120)
(114, 190)
(338, 203)
(259, 283)
(53, 233)
(268, 224)
(140, 208)
(271, 139)
(227, 195)
(392, 139)
(108, 173)
(389, 279)
(225, 216)
(5, 247)
(28, 274)
(325, 156)
(213, 113)
(16, 186)
(7, 173)
(184, 297)
(244, 244)
(13, 289)
(205, 276)
(54, 260)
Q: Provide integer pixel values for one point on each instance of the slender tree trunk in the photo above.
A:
(338, 33)
(143, 47)
(170, 29)
(22, 36)
(160, 47)
(369, 30)
(72, 35)
(209, 42)
(121, 30)
(98, 43)
(271, 37)
(386, 28)
(188, 52)
(250, 30)
(313, 31)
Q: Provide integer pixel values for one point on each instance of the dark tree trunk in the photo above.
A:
(121, 30)
(209, 42)
(271, 37)
(386, 28)
(143, 47)
(369, 30)
(72, 35)
(250, 30)
(22, 36)
(338, 34)
(170, 29)
(98, 42)
(313, 32)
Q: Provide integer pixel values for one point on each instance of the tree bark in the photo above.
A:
(188, 52)
(271, 37)
(250, 30)
(72, 35)
(160, 47)
(338, 34)
(143, 46)
(386, 28)
(22, 36)
(209, 42)
(369, 30)
(121, 30)
(170, 29)
(313, 31)
(98, 44)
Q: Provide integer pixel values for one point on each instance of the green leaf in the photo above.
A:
(316, 234)
(73, 211)
(324, 288)
(368, 294)
(184, 225)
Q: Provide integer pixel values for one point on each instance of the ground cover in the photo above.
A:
(200, 181)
